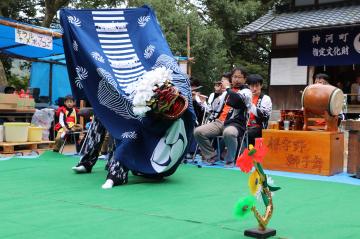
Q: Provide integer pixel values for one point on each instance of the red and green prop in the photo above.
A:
(261, 187)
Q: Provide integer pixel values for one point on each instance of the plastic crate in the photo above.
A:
(16, 132)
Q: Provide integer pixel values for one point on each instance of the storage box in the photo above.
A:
(8, 98)
(8, 101)
(16, 132)
(314, 152)
(35, 133)
(25, 103)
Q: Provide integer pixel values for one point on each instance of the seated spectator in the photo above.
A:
(9, 90)
(322, 78)
(260, 110)
(67, 121)
(216, 99)
(230, 122)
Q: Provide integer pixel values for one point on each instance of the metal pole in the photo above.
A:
(50, 82)
(203, 121)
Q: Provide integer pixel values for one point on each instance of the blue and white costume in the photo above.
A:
(108, 50)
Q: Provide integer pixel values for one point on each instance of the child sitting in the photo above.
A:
(67, 121)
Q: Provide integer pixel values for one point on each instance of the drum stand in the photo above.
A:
(331, 122)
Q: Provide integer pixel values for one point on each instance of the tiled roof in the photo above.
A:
(304, 20)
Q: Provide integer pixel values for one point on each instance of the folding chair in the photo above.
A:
(204, 120)
(84, 112)
(73, 136)
(243, 142)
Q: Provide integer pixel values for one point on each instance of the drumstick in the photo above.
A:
(204, 96)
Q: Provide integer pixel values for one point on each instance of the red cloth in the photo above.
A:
(71, 118)
(252, 116)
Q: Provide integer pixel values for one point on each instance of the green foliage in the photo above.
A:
(206, 39)
(231, 16)
(18, 82)
(21, 10)
(98, 3)
(7, 65)
(214, 24)
(213, 34)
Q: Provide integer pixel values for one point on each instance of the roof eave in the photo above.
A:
(251, 33)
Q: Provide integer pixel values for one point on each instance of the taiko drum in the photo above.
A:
(318, 98)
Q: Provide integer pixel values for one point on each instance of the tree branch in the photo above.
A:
(51, 7)
(199, 11)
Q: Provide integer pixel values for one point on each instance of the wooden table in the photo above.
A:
(314, 152)
(353, 165)
(22, 114)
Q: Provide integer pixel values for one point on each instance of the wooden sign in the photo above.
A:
(311, 152)
(33, 39)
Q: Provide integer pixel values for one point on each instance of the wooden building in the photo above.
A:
(309, 37)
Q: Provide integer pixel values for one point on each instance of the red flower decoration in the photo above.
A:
(245, 162)
(261, 150)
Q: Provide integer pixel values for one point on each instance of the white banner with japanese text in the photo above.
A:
(33, 39)
(329, 47)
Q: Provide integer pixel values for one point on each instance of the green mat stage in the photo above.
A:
(42, 198)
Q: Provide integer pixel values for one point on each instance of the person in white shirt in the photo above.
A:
(260, 110)
(217, 98)
(230, 122)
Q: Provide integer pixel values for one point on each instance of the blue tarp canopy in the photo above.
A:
(9, 46)
(53, 83)
(57, 80)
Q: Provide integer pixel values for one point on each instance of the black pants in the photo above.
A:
(253, 132)
(92, 146)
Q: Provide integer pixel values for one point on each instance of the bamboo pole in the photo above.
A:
(30, 28)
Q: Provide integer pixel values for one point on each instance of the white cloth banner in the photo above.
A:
(33, 39)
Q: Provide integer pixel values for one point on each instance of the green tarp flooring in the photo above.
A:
(43, 198)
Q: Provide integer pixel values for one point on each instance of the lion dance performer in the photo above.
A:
(119, 61)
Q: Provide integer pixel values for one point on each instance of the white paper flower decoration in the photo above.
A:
(144, 88)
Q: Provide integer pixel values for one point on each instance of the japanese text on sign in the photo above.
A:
(338, 48)
(296, 153)
(33, 39)
(329, 47)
